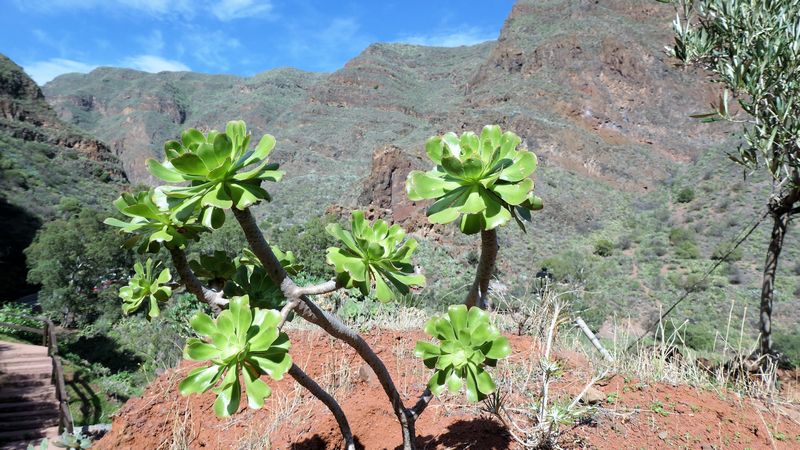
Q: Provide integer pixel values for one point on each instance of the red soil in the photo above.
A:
(637, 415)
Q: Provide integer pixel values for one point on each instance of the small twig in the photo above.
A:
(593, 339)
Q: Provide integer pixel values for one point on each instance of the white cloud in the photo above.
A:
(152, 7)
(451, 38)
(330, 47)
(44, 71)
(212, 48)
(226, 10)
(153, 42)
(154, 64)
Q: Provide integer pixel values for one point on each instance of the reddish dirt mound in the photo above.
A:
(634, 415)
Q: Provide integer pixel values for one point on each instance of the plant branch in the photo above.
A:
(214, 299)
(477, 295)
(319, 289)
(422, 403)
(309, 311)
(317, 391)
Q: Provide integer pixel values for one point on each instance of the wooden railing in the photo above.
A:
(48, 332)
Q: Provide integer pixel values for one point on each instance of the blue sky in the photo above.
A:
(242, 37)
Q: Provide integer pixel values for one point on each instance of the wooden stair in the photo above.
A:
(28, 401)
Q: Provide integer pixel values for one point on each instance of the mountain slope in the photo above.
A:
(44, 163)
(588, 87)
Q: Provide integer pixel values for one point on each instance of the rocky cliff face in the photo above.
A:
(43, 162)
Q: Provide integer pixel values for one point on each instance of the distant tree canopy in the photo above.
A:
(80, 264)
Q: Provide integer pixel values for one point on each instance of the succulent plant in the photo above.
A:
(481, 180)
(468, 342)
(69, 440)
(217, 167)
(240, 341)
(145, 285)
(373, 255)
(153, 223)
(250, 278)
(287, 260)
(216, 267)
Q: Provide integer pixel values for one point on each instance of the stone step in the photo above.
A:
(10, 364)
(29, 369)
(19, 394)
(9, 379)
(28, 380)
(29, 423)
(51, 411)
(13, 438)
(36, 405)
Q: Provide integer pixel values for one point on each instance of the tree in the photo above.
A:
(753, 48)
(254, 295)
(80, 264)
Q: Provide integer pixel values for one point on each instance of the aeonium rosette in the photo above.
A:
(242, 344)
(468, 343)
(483, 180)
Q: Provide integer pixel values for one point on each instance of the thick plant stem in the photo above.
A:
(309, 311)
(478, 293)
(216, 301)
(193, 285)
(781, 208)
(779, 226)
(316, 390)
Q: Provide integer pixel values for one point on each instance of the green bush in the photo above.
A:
(603, 248)
(687, 250)
(697, 336)
(10, 313)
(680, 235)
(722, 250)
(788, 343)
(80, 264)
(685, 195)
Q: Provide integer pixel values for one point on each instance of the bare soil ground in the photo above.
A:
(634, 414)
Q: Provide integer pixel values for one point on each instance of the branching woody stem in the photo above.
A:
(307, 382)
(309, 311)
(214, 299)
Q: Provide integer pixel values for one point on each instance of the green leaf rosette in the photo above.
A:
(373, 255)
(153, 223)
(241, 344)
(483, 180)
(222, 172)
(146, 286)
(468, 342)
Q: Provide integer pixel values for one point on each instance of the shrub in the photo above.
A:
(727, 252)
(680, 235)
(308, 240)
(80, 264)
(10, 313)
(603, 248)
(687, 250)
(685, 195)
